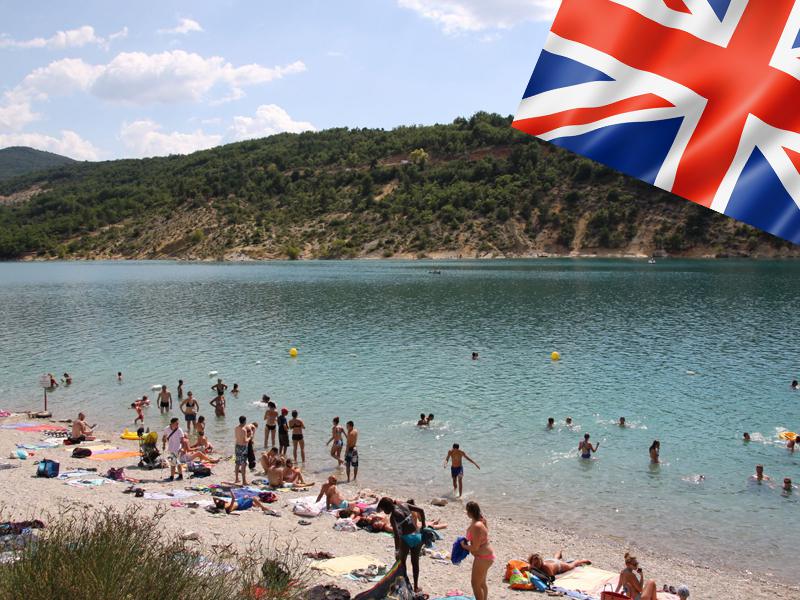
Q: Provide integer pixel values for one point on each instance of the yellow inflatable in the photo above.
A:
(129, 435)
(787, 435)
(555, 356)
(293, 352)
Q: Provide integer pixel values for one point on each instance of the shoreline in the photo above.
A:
(512, 539)
(444, 257)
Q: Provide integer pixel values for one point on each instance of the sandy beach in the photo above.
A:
(25, 496)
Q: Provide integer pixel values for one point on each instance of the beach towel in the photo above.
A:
(40, 445)
(33, 427)
(95, 448)
(170, 495)
(102, 455)
(88, 483)
(337, 567)
(587, 579)
(393, 586)
(458, 554)
(73, 474)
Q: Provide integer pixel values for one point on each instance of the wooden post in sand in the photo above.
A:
(44, 381)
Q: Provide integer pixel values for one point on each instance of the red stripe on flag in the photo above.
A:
(794, 157)
(677, 5)
(582, 116)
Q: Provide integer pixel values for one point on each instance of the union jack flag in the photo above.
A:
(698, 97)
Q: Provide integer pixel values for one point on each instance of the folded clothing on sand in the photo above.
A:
(343, 565)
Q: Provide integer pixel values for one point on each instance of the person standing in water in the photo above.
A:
(477, 543)
(180, 389)
(164, 400)
(219, 405)
(297, 426)
(337, 437)
(351, 453)
(456, 456)
(655, 449)
(119, 375)
(235, 390)
(551, 422)
(271, 418)
(189, 408)
(219, 387)
(585, 447)
(283, 432)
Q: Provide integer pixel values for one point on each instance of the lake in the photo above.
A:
(692, 353)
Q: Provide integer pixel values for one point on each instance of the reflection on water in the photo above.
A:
(691, 353)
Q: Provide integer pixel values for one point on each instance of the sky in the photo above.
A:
(105, 79)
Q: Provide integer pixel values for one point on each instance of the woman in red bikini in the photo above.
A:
(478, 545)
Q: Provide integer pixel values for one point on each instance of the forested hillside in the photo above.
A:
(475, 187)
(19, 160)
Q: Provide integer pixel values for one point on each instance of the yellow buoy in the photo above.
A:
(293, 352)
(555, 355)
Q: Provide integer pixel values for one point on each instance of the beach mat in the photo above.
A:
(587, 579)
(93, 447)
(33, 427)
(113, 455)
(393, 586)
(336, 567)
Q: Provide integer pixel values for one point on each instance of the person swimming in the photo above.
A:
(787, 484)
(585, 447)
(474, 356)
(795, 385)
(423, 421)
(568, 422)
(551, 422)
(759, 476)
(621, 422)
(655, 449)
(746, 437)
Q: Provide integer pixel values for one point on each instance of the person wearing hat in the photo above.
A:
(283, 432)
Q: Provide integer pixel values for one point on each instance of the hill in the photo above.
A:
(474, 187)
(19, 160)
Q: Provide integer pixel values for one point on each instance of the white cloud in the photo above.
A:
(269, 120)
(177, 76)
(71, 38)
(145, 138)
(184, 26)
(69, 144)
(136, 78)
(456, 16)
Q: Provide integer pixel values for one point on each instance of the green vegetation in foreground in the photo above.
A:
(18, 160)
(475, 187)
(126, 555)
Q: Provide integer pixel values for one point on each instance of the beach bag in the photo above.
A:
(201, 471)
(47, 468)
(303, 509)
(116, 474)
(521, 565)
(611, 595)
(81, 453)
(518, 581)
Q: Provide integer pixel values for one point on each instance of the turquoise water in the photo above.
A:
(691, 353)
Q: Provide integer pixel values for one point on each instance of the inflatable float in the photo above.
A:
(787, 435)
(155, 386)
(129, 435)
(212, 373)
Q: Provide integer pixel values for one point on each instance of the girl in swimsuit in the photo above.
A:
(478, 545)
(655, 449)
(631, 581)
(297, 426)
(554, 566)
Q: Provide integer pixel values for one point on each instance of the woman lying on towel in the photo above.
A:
(631, 580)
(240, 503)
(554, 566)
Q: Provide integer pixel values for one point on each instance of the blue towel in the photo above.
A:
(457, 554)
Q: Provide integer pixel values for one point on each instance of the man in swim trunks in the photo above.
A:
(275, 472)
(337, 437)
(457, 456)
(164, 400)
(81, 432)
(333, 499)
(189, 408)
(351, 454)
(585, 447)
(241, 437)
(283, 432)
(171, 441)
(219, 405)
(297, 426)
(271, 417)
(268, 459)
